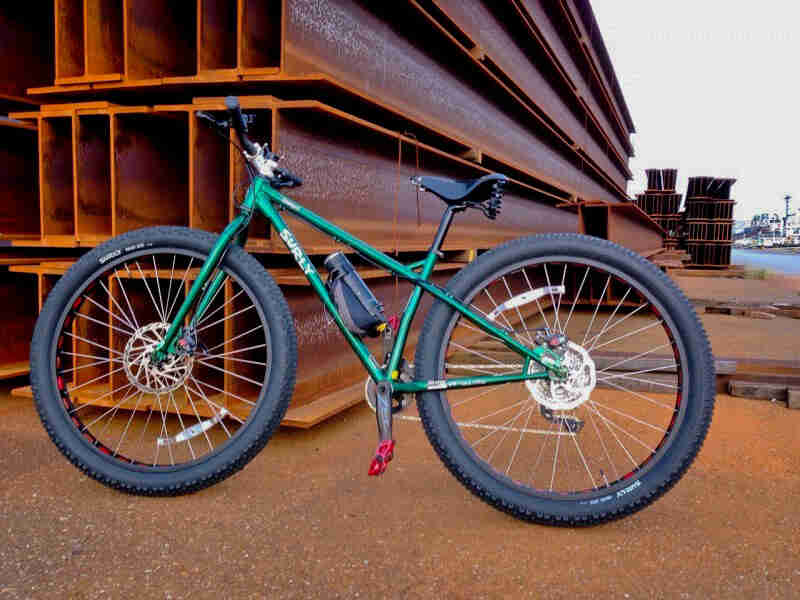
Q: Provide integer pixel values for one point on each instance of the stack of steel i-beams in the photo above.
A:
(709, 221)
(662, 203)
(357, 96)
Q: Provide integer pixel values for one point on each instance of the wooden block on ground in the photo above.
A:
(310, 414)
(15, 369)
(793, 398)
(23, 392)
(758, 389)
(759, 314)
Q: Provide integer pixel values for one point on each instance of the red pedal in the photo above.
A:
(383, 455)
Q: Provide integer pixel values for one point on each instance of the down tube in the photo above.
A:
(315, 280)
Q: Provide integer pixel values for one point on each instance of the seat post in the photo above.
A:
(444, 226)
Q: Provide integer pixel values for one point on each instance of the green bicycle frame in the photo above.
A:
(262, 197)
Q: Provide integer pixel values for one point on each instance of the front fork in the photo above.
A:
(203, 290)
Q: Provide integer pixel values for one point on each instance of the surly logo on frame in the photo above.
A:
(299, 255)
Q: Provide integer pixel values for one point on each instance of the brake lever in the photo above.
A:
(220, 124)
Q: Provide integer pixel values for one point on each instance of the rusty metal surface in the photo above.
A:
(359, 178)
(151, 165)
(545, 16)
(19, 191)
(26, 45)
(490, 26)
(355, 45)
(592, 30)
(628, 231)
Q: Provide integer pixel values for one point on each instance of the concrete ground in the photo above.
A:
(304, 521)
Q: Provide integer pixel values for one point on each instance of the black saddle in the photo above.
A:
(453, 191)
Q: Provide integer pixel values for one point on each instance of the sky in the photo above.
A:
(713, 87)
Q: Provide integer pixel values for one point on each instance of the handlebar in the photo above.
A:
(259, 158)
(237, 122)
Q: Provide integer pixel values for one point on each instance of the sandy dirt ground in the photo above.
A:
(743, 337)
(722, 289)
(304, 521)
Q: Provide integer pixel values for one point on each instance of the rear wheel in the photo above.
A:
(184, 424)
(625, 424)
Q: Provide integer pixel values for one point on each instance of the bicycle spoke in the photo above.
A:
(115, 303)
(609, 319)
(219, 308)
(622, 362)
(594, 315)
(169, 289)
(237, 313)
(638, 395)
(197, 415)
(603, 445)
(555, 455)
(575, 300)
(620, 429)
(627, 416)
(519, 440)
(128, 424)
(653, 370)
(233, 339)
(161, 315)
(158, 287)
(519, 313)
(583, 459)
(93, 320)
(125, 295)
(538, 305)
(231, 373)
(180, 287)
(627, 335)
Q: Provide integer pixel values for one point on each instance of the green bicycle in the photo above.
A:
(561, 378)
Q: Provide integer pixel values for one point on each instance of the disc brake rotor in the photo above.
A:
(571, 392)
(143, 373)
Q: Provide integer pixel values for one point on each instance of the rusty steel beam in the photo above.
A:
(19, 181)
(26, 45)
(591, 30)
(419, 85)
(586, 51)
(133, 152)
(623, 223)
(504, 57)
(150, 63)
(545, 22)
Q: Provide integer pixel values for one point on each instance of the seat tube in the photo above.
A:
(413, 300)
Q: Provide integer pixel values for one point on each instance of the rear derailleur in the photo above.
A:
(571, 424)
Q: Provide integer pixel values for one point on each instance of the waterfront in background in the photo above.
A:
(764, 259)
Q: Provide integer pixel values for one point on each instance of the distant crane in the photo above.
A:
(786, 215)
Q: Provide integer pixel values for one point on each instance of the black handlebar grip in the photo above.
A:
(237, 120)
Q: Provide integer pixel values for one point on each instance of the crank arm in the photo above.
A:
(383, 415)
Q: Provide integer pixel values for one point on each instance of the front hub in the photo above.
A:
(147, 375)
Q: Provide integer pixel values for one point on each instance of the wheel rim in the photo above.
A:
(578, 447)
(170, 415)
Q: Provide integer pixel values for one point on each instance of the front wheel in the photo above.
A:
(625, 424)
(180, 425)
